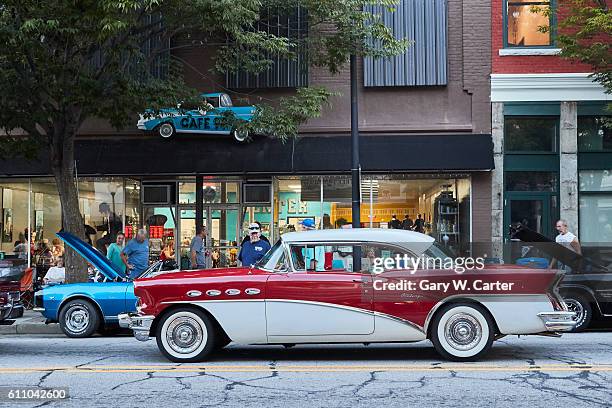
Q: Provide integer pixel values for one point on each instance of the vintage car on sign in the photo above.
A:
(84, 308)
(171, 121)
(327, 287)
(586, 287)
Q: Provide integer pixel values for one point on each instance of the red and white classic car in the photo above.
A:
(329, 287)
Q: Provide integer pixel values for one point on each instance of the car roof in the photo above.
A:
(213, 95)
(411, 240)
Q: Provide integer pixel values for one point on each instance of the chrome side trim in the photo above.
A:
(213, 292)
(194, 293)
(558, 321)
(252, 291)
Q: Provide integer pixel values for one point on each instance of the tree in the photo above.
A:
(63, 62)
(585, 34)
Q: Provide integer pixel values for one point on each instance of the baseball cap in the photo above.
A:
(308, 223)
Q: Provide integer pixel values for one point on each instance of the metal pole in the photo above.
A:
(29, 237)
(355, 165)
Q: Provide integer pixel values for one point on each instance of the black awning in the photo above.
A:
(203, 154)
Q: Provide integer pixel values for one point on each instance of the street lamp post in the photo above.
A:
(355, 166)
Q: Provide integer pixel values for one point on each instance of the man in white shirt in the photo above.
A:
(56, 274)
(566, 238)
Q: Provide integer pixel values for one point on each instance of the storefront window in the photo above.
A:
(531, 181)
(525, 18)
(221, 192)
(531, 134)
(132, 206)
(14, 217)
(595, 207)
(594, 133)
(102, 203)
(187, 192)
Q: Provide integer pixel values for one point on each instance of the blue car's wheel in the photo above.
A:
(165, 130)
(79, 318)
(240, 135)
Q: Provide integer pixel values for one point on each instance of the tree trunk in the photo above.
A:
(63, 167)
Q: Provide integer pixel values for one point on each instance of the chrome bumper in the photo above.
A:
(558, 320)
(140, 325)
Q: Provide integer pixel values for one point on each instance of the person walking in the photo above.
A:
(113, 253)
(135, 255)
(254, 249)
(568, 240)
(197, 249)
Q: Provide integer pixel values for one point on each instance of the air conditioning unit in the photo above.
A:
(257, 193)
(158, 194)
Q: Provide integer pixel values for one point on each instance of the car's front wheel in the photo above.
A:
(165, 130)
(240, 135)
(79, 318)
(462, 332)
(582, 307)
(185, 335)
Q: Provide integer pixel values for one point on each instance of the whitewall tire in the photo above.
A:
(240, 136)
(185, 335)
(166, 130)
(462, 332)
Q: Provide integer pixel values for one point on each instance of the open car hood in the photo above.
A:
(576, 261)
(91, 255)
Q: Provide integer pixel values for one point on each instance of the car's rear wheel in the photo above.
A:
(240, 135)
(185, 335)
(79, 318)
(165, 130)
(582, 307)
(462, 332)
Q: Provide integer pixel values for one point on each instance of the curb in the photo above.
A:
(31, 328)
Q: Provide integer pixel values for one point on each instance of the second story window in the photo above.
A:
(524, 22)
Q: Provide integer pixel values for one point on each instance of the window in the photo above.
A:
(531, 134)
(531, 181)
(594, 133)
(595, 207)
(524, 20)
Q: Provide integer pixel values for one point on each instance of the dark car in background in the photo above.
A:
(11, 272)
(586, 287)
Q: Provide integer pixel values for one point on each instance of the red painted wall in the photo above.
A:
(523, 64)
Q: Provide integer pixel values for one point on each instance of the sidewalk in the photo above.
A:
(31, 323)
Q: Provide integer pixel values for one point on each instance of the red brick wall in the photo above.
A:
(523, 64)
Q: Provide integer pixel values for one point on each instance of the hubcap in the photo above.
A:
(574, 306)
(165, 130)
(184, 335)
(77, 319)
(463, 332)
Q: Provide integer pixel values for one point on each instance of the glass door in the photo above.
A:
(223, 241)
(187, 230)
(532, 210)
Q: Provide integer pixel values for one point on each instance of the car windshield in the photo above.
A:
(226, 101)
(272, 258)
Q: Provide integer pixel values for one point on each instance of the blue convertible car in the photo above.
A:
(84, 308)
(170, 121)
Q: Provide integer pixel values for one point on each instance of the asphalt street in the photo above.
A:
(573, 371)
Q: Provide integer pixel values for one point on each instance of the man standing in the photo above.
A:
(395, 223)
(197, 249)
(407, 224)
(135, 255)
(567, 239)
(254, 249)
(419, 224)
(114, 253)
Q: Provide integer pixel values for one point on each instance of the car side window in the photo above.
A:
(324, 257)
(214, 102)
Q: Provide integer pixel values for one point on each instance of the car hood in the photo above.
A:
(91, 255)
